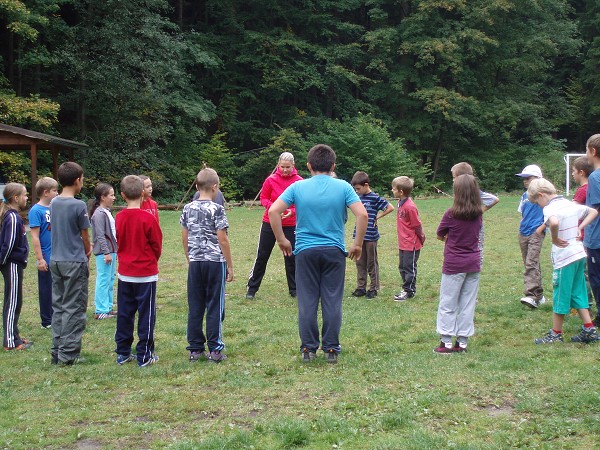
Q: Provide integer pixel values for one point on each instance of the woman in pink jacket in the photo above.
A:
(285, 174)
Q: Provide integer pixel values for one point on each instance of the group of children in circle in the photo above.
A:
(59, 229)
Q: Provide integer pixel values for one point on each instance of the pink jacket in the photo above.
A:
(410, 230)
(272, 188)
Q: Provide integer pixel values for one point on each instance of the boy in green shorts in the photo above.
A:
(563, 217)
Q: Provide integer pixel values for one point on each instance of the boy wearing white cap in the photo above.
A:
(531, 240)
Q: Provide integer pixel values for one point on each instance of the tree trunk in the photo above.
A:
(435, 159)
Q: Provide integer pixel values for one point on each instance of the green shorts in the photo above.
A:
(570, 290)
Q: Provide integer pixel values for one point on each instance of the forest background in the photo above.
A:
(396, 87)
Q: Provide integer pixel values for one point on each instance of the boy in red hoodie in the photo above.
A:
(139, 247)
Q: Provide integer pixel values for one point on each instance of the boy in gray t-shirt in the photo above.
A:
(69, 261)
(206, 247)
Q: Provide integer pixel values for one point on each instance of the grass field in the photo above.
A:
(389, 390)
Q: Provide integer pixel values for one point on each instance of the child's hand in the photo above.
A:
(355, 252)
(286, 247)
(560, 242)
(287, 213)
(107, 259)
(42, 265)
(229, 276)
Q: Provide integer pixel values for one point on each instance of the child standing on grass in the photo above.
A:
(105, 249)
(39, 221)
(206, 247)
(69, 265)
(140, 246)
(321, 207)
(368, 263)
(14, 251)
(568, 260)
(531, 238)
(591, 240)
(410, 236)
(459, 229)
(148, 204)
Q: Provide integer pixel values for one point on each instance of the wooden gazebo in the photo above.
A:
(14, 138)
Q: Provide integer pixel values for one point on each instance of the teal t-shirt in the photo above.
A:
(321, 211)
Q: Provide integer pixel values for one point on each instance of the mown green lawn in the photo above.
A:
(389, 390)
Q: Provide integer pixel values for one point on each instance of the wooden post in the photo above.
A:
(33, 149)
(55, 162)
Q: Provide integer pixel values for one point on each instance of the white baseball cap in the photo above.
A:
(530, 171)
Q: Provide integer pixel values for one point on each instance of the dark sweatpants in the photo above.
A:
(593, 261)
(408, 270)
(45, 295)
(266, 242)
(13, 301)
(320, 273)
(206, 293)
(132, 298)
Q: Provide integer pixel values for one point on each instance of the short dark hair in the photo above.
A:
(69, 172)
(132, 187)
(206, 179)
(360, 178)
(582, 163)
(321, 158)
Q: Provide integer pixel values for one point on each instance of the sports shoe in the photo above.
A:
(153, 359)
(293, 294)
(458, 348)
(332, 357)
(124, 359)
(541, 301)
(25, 345)
(528, 301)
(371, 294)
(307, 355)
(46, 327)
(444, 348)
(250, 295)
(103, 316)
(197, 356)
(72, 362)
(53, 359)
(216, 357)
(550, 338)
(586, 336)
(402, 296)
(359, 293)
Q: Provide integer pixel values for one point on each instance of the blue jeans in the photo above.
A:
(105, 280)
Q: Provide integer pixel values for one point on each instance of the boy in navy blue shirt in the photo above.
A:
(531, 240)
(373, 203)
(321, 203)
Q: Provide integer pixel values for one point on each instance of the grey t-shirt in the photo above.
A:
(68, 216)
(203, 219)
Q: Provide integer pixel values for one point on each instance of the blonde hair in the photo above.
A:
(461, 168)
(593, 142)
(404, 184)
(206, 179)
(286, 156)
(539, 186)
(45, 184)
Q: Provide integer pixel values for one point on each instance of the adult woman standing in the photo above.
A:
(285, 174)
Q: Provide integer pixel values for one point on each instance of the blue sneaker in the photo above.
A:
(586, 336)
(153, 359)
(124, 359)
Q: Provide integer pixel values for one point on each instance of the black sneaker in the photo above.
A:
(216, 356)
(586, 336)
(459, 348)
(332, 357)
(444, 349)
(197, 356)
(307, 355)
(550, 338)
(250, 295)
(359, 293)
(371, 294)
(124, 359)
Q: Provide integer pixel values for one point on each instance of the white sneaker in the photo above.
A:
(541, 301)
(528, 301)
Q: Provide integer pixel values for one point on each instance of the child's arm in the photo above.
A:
(488, 200)
(384, 213)
(553, 224)
(362, 221)
(85, 236)
(226, 250)
(8, 236)
(275, 211)
(589, 218)
(184, 241)
(540, 230)
(99, 228)
(155, 239)
(37, 249)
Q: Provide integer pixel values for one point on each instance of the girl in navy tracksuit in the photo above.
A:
(13, 259)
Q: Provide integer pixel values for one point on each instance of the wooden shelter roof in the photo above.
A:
(15, 138)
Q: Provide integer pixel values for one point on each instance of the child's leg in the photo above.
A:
(215, 303)
(57, 309)
(146, 307)
(196, 296)
(361, 269)
(127, 307)
(290, 261)
(467, 301)
(111, 281)
(266, 242)
(101, 298)
(584, 314)
(333, 270)
(308, 283)
(557, 322)
(45, 294)
(408, 268)
(531, 246)
(450, 288)
(13, 300)
(372, 264)
(593, 261)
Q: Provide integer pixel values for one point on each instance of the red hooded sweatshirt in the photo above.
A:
(272, 188)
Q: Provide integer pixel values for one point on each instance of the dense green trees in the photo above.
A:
(396, 86)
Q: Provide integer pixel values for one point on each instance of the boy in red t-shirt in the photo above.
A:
(139, 241)
(410, 236)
